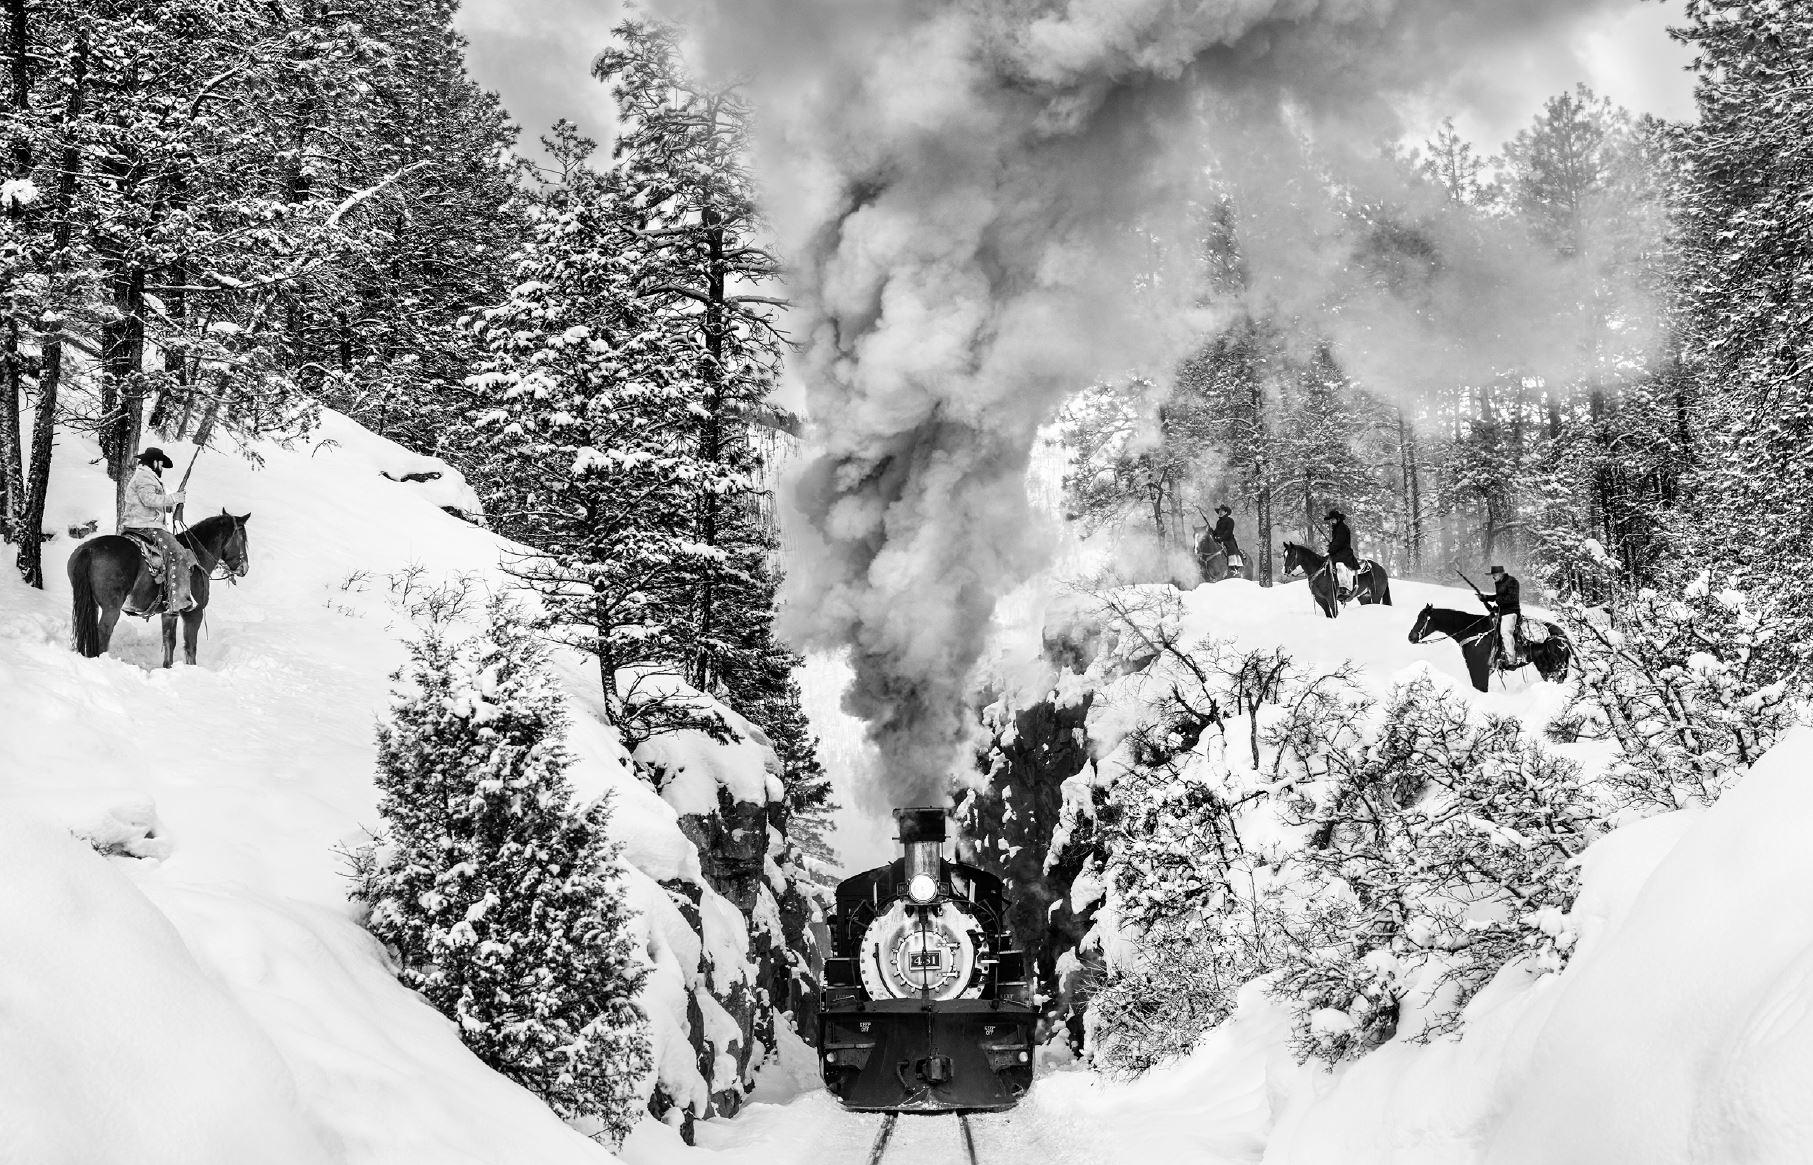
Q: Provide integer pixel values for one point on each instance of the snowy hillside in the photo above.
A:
(1675, 1033)
(205, 995)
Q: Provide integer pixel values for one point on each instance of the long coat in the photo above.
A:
(1506, 597)
(1340, 545)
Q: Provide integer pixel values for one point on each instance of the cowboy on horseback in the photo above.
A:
(1506, 606)
(1223, 533)
(1340, 553)
(142, 519)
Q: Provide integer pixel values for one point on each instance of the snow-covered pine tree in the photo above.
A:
(1747, 299)
(1136, 452)
(382, 90)
(1589, 182)
(499, 897)
(588, 428)
(682, 155)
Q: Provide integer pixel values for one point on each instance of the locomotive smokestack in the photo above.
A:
(922, 833)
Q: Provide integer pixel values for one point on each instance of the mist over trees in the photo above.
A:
(1514, 462)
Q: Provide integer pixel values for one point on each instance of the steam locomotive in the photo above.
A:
(926, 1007)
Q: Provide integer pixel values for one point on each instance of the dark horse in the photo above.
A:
(1371, 585)
(108, 572)
(1212, 562)
(1479, 643)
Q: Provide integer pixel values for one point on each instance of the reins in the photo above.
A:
(220, 563)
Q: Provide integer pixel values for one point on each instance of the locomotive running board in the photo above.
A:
(901, 1055)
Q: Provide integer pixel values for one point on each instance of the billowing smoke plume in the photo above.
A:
(978, 200)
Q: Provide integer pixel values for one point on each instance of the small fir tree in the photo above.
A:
(499, 897)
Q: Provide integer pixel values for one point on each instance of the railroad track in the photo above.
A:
(886, 1133)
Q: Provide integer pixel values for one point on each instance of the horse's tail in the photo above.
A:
(85, 622)
(1385, 594)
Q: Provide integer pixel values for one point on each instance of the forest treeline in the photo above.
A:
(1654, 425)
(221, 218)
(1516, 463)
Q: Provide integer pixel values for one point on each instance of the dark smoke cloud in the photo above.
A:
(981, 202)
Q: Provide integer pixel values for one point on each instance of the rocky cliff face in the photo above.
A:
(1033, 822)
(1016, 827)
(758, 961)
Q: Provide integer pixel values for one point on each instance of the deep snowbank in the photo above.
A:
(1681, 1032)
(119, 1044)
(238, 781)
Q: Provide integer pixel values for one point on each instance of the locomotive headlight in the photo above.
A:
(922, 888)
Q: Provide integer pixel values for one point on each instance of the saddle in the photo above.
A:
(152, 551)
(1531, 633)
(1347, 581)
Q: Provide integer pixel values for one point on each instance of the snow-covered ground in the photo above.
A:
(207, 995)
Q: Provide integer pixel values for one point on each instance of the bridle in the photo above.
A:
(229, 571)
(1327, 563)
(1436, 636)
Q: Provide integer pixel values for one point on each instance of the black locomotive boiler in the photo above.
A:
(926, 1007)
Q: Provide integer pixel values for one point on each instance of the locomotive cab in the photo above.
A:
(927, 1006)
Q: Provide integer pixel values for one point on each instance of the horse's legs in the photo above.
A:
(1479, 657)
(169, 622)
(191, 627)
(109, 617)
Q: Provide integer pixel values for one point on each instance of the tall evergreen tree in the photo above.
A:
(682, 159)
(589, 440)
(682, 156)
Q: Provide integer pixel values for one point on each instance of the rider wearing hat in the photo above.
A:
(142, 514)
(1340, 550)
(1506, 604)
(1223, 533)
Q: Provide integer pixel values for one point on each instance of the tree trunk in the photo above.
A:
(50, 371)
(30, 559)
(1413, 499)
(1309, 505)
(123, 375)
(1263, 522)
(12, 381)
(12, 466)
(711, 438)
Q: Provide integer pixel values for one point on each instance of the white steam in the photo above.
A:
(978, 203)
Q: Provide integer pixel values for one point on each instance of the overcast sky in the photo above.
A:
(537, 54)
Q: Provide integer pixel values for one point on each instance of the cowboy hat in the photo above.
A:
(153, 457)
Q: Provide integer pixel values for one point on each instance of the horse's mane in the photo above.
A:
(209, 526)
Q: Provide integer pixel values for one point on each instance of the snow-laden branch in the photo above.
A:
(224, 282)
